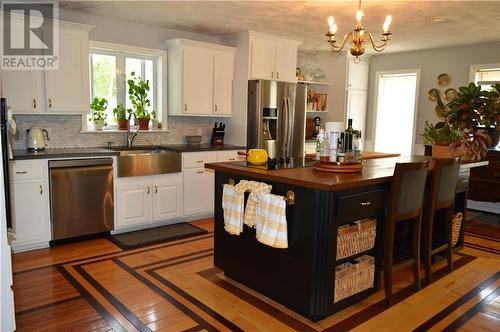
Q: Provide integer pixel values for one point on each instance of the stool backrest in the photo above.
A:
(407, 189)
(444, 181)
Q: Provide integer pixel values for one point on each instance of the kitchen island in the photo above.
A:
(302, 276)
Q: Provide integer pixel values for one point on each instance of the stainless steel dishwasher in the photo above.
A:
(81, 197)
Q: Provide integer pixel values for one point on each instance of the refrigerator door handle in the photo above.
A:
(284, 143)
(290, 126)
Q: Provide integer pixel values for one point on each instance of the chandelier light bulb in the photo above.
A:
(387, 23)
(331, 23)
(359, 15)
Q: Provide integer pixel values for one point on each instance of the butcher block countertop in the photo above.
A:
(375, 171)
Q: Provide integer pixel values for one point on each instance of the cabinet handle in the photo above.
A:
(277, 74)
(41, 190)
(367, 203)
(199, 172)
(156, 189)
(232, 159)
(148, 190)
(50, 103)
(185, 107)
(272, 74)
(21, 172)
(215, 108)
(199, 161)
(34, 103)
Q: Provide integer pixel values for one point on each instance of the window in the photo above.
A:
(111, 66)
(486, 75)
(396, 111)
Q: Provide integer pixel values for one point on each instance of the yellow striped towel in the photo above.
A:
(232, 204)
(255, 188)
(271, 224)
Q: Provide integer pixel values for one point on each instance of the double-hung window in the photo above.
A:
(111, 66)
(485, 75)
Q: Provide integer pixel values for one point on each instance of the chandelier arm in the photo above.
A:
(341, 47)
(378, 48)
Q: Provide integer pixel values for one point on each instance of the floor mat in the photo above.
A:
(156, 235)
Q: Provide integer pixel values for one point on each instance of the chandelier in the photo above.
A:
(358, 37)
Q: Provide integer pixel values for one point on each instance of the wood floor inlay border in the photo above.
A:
(48, 305)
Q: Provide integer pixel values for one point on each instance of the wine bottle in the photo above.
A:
(348, 136)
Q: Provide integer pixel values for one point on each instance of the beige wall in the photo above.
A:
(454, 61)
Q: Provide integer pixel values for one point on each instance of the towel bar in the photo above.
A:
(289, 198)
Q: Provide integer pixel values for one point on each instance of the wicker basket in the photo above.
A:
(356, 238)
(455, 228)
(354, 277)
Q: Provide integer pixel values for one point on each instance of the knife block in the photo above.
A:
(217, 137)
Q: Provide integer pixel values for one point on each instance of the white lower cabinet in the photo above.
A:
(198, 191)
(30, 205)
(148, 199)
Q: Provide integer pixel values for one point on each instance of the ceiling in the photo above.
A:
(467, 22)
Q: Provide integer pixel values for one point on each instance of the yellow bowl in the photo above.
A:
(257, 156)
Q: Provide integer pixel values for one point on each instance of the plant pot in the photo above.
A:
(154, 123)
(99, 124)
(443, 151)
(144, 123)
(122, 124)
(494, 135)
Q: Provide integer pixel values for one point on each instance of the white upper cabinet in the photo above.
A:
(272, 58)
(63, 90)
(67, 89)
(200, 78)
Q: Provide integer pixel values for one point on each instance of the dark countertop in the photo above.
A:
(62, 153)
(201, 147)
(375, 171)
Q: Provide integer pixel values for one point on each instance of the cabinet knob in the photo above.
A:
(199, 172)
(215, 108)
(156, 189)
(50, 103)
(185, 107)
(21, 172)
(231, 159)
(199, 161)
(148, 190)
(41, 190)
(34, 103)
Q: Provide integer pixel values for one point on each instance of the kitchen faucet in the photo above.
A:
(131, 134)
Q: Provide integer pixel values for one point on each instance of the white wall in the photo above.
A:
(455, 61)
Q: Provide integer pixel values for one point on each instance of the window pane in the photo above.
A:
(104, 81)
(149, 75)
(132, 65)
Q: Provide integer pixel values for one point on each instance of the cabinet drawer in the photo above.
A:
(228, 156)
(359, 206)
(197, 159)
(27, 171)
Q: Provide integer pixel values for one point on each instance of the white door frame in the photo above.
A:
(378, 74)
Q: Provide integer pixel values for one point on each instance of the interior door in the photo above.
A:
(263, 53)
(197, 80)
(223, 82)
(167, 198)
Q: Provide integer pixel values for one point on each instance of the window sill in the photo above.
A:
(116, 131)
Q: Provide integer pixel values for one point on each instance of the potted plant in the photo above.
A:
(120, 115)
(98, 116)
(475, 112)
(441, 136)
(138, 90)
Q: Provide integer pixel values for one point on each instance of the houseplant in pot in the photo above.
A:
(441, 136)
(98, 115)
(474, 113)
(120, 115)
(138, 90)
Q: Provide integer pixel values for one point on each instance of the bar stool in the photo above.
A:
(406, 200)
(441, 197)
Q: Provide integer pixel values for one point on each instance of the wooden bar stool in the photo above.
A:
(441, 197)
(406, 200)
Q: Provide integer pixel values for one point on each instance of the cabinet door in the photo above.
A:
(134, 204)
(67, 89)
(286, 61)
(30, 202)
(198, 191)
(223, 82)
(356, 109)
(167, 198)
(263, 57)
(21, 90)
(197, 81)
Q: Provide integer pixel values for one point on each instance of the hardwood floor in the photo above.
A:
(95, 286)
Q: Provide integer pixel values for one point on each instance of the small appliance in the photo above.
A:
(37, 138)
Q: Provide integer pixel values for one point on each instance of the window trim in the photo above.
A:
(160, 102)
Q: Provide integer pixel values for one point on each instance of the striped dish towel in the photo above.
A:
(271, 226)
(256, 189)
(232, 204)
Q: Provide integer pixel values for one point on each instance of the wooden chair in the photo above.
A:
(441, 197)
(406, 200)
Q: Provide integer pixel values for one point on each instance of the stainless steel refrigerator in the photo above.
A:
(274, 122)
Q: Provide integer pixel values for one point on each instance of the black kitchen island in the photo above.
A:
(302, 276)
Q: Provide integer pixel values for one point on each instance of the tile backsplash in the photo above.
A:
(65, 131)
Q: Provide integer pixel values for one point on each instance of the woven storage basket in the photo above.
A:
(352, 278)
(353, 239)
(455, 228)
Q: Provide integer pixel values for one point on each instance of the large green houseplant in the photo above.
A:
(138, 90)
(474, 113)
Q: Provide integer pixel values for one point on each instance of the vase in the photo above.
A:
(144, 123)
(122, 124)
(99, 124)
